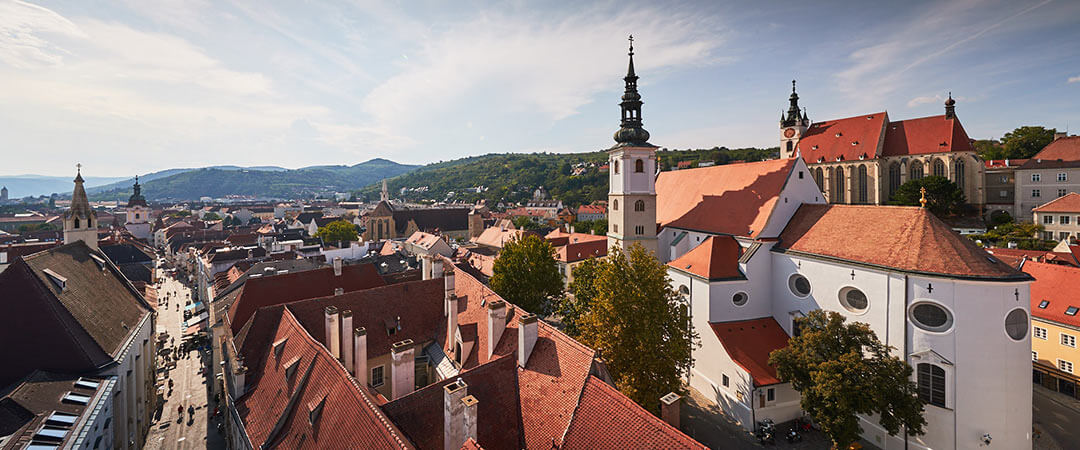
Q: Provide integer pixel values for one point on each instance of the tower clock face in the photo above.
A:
(788, 133)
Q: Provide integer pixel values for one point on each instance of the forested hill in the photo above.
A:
(514, 176)
(258, 182)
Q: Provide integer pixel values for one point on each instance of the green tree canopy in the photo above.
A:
(597, 227)
(943, 197)
(583, 291)
(638, 323)
(1026, 235)
(337, 231)
(211, 216)
(525, 223)
(527, 275)
(842, 370)
(1025, 142)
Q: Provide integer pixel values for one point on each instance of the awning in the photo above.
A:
(195, 306)
(194, 329)
(197, 319)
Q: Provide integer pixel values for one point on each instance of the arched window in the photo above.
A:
(819, 177)
(894, 177)
(615, 205)
(862, 185)
(960, 174)
(639, 205)
(89, 223)
(76, 222)
(939, 168)
(838, 185)
(789, 146)
(639, 166)
(616, 166)
(932, 384)
(916, 171)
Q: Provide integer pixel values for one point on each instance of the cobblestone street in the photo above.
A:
(173, 429)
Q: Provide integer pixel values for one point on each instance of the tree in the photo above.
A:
(1026, 235)
(525, 223)
(989, 149)
(842, 370)
(337, 231)
(583, 292)
(210, 216)
(527, 275)
(943, 197)
(639, 325)
(1025, 142)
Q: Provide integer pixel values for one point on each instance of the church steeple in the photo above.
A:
(950, 107)
(793, 113)
(136, 198)
(792, 125)
(630, 131)
(80, 221)
(384, 196)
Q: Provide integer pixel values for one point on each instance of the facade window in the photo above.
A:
(639, 230)
(1035, 177)
(724, 380)
(862, 184)
(838, 185)
(1040, 333)
(1063, 235)
(932, 384)
(819, 178)
(799, 285)
(1034, 355)
(931, 317)
(916, 171)
(1048, 219)
(377, 376)
(1003, 194)
(1064, 220)
(770, 394)
(939, 168)
(1062, 192)
(1036, 193)
(1016, 324)
(854, 300)
(1068, 340)
(639, 166)
(639, 205)
(960, 173)
(615, 205)
(1063, 176)
(1005, 179)
(894, 177)
(615, 227)
(616, 167)
(740, 298)
(1065, 366)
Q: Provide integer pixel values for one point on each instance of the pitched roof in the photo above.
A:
(596, 427)
(995, 164)
(1069, 203)
(290, 287)
(917, 241)
(1049, 280)
(717, 258)
(935, 134)
(1066, 149)
(27, 406)
(749, 342)
(423, 240)
(431, 219)
(125, 254)
(735, 199)
(276, 410)
(582, 248)
(592, 209)
(847, 139)
(497, 236)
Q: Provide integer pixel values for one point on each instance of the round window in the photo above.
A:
(684, 291)
(739, 298)
(931, 317)
(1016, 324)
(799, 285)
(854, 300)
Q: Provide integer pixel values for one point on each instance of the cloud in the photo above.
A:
(1075, 79)
(23, 27)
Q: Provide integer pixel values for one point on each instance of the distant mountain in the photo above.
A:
(125, 183)
(264, 181)
(33, 185)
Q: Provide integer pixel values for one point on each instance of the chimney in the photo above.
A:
(496, 324)
(333, 341)
(337, 266)
(448, 283)
(425, 267)
(527, 332)
(1059, 135)
(346, 338)
(469, 405)
(453, 414)
(403, 376)
(669, 409)
(360, 355)
(436, 266)
(451, 320)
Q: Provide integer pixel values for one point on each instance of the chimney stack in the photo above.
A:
(436, 266)
(360, 356)
(448, 283)
(527, 333)
(346, 338)
(333, 341)
(1059, 135)
(403, 376)
(669, 409)
(425, 267)
(496, 324)
(469, 405)
(453, 414)
(337, 266)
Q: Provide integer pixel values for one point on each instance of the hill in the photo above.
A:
(275, 182)
(514, 176)
(33, 185)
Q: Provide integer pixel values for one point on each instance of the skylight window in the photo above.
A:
(56, 279)
(87, 383)
(50, 434)
(79, 399)
(60, 419)
(1071, 311)
(1043, 304)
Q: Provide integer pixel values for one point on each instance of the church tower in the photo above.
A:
(138, 213)
(792, 126)
(632, 191)
(80, 221)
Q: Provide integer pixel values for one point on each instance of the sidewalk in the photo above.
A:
(1042, 432)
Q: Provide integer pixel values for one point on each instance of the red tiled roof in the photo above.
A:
(497, 237)
(592, 209)
(848, 139)
(934, 134)
(715, 259)
(916, 241)
(1065, 149)
(349, 417)
(1069, 203)
(279, 289)
(422, 239)
(735, 199)
(1004, 163)
(685, 164)
(594, 246)
(470, 444)
(595, 427)
(749, 342)
(1050, 280)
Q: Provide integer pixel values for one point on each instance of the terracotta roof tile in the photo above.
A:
(934, 134)
(1065, 149)
(847, 139)
(717, 258)
(1069, 203)
(497, 237)
(735, 199)
(1049, 280)
(917, 241)
(749, 342)
(596, 427)
(422, 239)
(593, 247)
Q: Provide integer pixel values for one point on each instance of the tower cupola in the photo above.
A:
(630, 131)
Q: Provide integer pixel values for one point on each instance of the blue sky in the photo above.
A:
(136, 86)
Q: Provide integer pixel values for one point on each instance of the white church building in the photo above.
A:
(754, 246)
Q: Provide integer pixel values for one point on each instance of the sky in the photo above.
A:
(135, 86)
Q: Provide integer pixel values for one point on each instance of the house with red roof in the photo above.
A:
(1050, 174)
(1055, 326)
(589, 213)
(1060, 218)
(999, 178)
